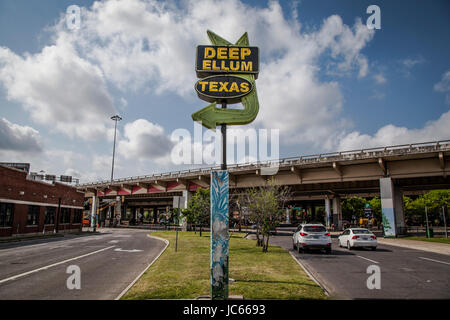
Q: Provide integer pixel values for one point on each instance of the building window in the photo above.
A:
(6, 214)
(50, 213)
(33, 215)
(65, 215)
(77, 215)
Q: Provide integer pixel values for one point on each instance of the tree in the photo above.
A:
(375, 205)
(353, 207)
(433, 200)
(265, 205)
(198, 209)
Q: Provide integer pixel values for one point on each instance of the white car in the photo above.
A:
(358, 237)
(311, 236)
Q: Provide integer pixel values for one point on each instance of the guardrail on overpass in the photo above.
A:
(352, 155)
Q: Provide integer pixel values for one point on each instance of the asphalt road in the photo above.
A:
(405, 273)
(108, 263)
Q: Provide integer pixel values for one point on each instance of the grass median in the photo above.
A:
(185, 274)
(438, 240)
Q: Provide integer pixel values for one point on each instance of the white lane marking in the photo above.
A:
(52, 265)
(368, 259)
(123, 250)
(434, 260)
(140, 275)
(113, 241)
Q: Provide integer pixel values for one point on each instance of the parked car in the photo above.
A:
(311, 236)
(358, 237)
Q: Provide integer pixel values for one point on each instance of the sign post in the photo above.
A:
(227, 75)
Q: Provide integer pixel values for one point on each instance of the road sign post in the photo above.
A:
(227, 75)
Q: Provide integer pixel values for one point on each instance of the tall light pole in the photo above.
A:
(115, 118)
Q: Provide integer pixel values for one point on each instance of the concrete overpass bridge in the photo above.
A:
(315, 180)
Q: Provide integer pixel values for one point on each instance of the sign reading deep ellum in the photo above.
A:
(227, 59)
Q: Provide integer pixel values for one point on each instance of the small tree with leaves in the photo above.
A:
(198, 209)
(265, 205)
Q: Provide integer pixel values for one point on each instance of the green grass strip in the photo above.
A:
(185, 274)
(439, 240)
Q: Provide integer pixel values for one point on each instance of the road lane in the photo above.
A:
(404, 275)
(104, 274)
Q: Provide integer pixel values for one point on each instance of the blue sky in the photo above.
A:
(327, 82)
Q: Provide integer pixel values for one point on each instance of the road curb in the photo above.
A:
(432, 247)
(151, 263)
(310, 275)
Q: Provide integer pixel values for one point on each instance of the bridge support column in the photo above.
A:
(124, 212)
(117, 211)
(94, 216)
(327, 212)
(187, 195)
(337, 212)
(155, 215)
(392, 208)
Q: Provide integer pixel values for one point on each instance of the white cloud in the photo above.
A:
(137, 43)
(14, 137)
(149, 43)
(392, 135)
(444, 86)
(144, 140)
(380, 78)
(59, 89)
(409, 63)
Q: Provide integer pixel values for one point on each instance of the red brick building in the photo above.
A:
(27, 206)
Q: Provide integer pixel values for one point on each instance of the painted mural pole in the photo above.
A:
(227, 74)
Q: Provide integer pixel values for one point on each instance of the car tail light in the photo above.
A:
(355, 237)
(327, 234)
(303, 234)
(373, 237)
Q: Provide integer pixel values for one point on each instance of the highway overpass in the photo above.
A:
(320, 179)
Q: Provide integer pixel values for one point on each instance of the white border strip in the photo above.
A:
(52, 265)
(310, 274)
(140, 275)
(43, 204)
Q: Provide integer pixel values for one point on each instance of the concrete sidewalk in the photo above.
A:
(435, 247)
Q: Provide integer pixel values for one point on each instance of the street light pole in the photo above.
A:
(115, 118)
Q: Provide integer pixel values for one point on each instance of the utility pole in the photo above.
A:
(115, 118)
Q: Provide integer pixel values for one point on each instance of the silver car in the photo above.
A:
(311, 236)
